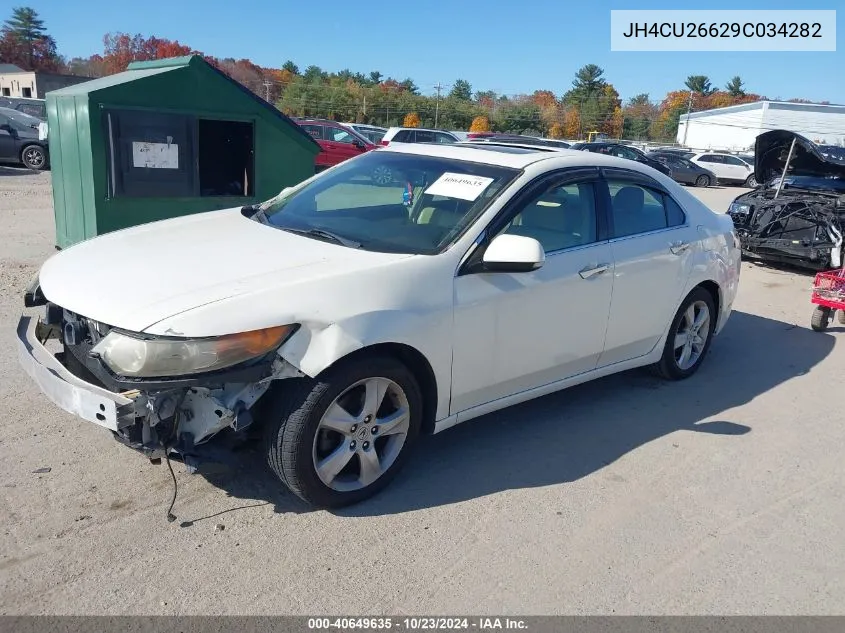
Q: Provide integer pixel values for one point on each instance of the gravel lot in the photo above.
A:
(719, 495)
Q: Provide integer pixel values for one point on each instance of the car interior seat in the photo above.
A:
(632, 215)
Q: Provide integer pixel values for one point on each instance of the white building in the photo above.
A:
(736, 127)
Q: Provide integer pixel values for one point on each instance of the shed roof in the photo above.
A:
(11, 68)
(139, 71)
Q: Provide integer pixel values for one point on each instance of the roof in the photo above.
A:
(142, 70)
(514, 157)
(10, 68)
(830, 108)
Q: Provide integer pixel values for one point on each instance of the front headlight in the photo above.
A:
(159, 357)
(738, 208)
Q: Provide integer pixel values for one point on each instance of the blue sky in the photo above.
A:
(506, 46)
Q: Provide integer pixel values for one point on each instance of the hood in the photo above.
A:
(139, 276)
(772, 149)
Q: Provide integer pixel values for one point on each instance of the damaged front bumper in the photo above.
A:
(95, 404)
(156, 418)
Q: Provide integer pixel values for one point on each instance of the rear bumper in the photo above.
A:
(85, 400)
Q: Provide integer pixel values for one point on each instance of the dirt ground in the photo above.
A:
(722, 494)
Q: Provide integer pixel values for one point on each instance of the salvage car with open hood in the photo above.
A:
(344, 317)
(797, 215)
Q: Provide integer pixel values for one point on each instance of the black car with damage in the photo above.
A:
(797, 216)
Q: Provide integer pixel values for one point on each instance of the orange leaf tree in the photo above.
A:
(480, 124)
(412, 119)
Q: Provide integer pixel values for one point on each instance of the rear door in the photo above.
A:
(424, 136)
(442, 137)
(714, 163)
(738, 169)
(8, 143)
(652, 244)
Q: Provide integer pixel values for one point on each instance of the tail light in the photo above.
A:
(385, 143)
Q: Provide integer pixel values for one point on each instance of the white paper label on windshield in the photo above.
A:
(155, 155)
(461, 186)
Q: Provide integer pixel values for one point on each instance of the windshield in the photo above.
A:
(390, 202)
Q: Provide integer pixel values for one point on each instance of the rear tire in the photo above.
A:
(702, 181)
(689, 336)
(301, 434)
(840, 315)
(751, 182)
(820, 319)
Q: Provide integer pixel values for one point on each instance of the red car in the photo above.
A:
(338, 142)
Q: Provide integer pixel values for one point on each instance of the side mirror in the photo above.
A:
(513, 254)
(358, 144)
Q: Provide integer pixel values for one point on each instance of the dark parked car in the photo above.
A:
(671, 151)
(20, 140)
(685, 171)
(517, 138)
(803, 223)
(623, 151)
(32, 107)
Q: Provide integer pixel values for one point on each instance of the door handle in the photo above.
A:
(590, 271)
(679, 247)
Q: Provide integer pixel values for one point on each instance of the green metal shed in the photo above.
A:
(163, 139)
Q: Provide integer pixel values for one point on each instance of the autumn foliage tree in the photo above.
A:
(120, 49)
(24, 42)
(412, 119)
(480, 124)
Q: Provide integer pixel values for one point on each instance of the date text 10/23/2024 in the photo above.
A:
(415, 624)
(723, 30)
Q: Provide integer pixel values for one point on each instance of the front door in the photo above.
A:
(8, 144)
(517, 331)
(653, 247)
(342, 144)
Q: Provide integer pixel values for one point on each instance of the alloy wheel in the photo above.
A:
(361, 434)
(691, 336)
(33, 157)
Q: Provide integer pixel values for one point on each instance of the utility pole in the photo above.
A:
(438, 87)
(686, 125)
(267, 85)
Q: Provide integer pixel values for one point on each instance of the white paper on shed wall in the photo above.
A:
(155, 155)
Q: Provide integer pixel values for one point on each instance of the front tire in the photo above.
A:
(342, 437)
(702, 181)
(34, 157)
(689, 336)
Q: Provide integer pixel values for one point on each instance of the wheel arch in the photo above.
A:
(415, 361)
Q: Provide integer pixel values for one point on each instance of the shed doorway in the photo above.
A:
(226, 151)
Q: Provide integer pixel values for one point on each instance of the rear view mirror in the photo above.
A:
(513, 254)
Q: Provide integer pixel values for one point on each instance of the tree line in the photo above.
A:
(591, 104)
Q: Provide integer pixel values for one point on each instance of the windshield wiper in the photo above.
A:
(325, 235)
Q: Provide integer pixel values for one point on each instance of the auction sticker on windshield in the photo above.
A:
(461, 186)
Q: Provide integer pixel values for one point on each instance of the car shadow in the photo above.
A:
(16, 171)
(572, 434)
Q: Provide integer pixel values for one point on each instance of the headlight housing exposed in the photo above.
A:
(136, 357)
(738, 208)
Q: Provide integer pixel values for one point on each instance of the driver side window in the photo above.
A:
(559, 218)
(340, 136)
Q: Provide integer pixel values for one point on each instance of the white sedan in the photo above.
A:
(346, 318)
